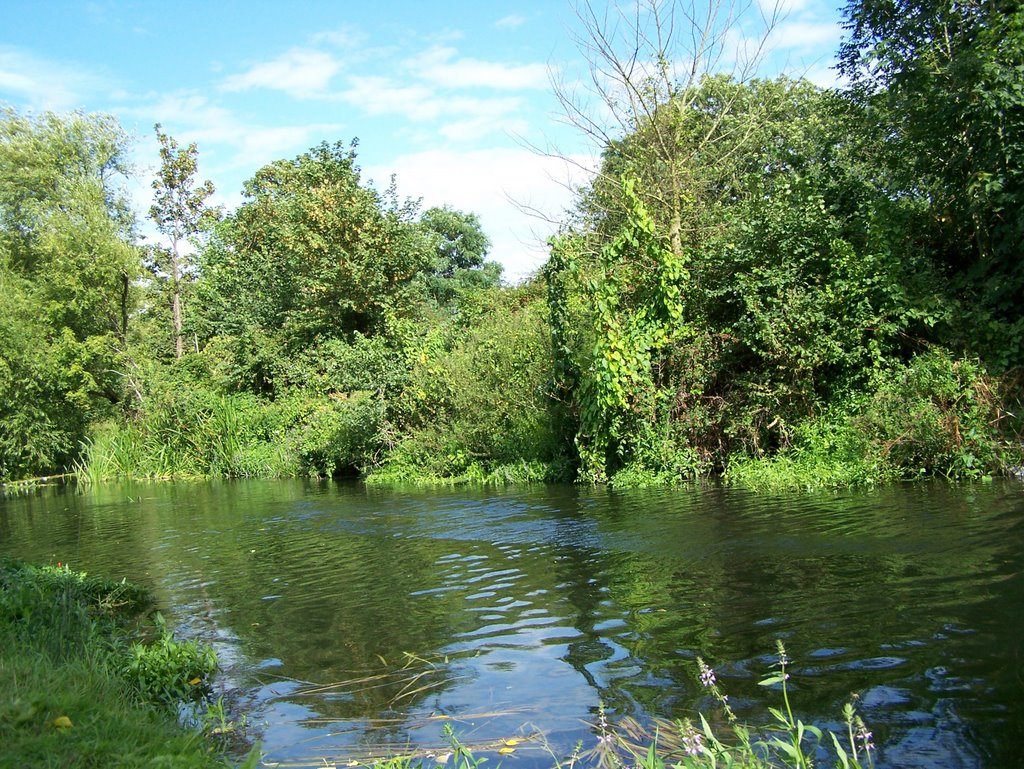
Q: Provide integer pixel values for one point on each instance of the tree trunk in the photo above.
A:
(179, 345)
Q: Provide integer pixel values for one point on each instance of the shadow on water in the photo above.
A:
(358, 621)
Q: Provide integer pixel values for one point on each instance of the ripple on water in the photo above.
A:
(532, 606)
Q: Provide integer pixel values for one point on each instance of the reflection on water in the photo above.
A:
(362, 620)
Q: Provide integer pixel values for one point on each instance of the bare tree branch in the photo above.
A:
(640, 99)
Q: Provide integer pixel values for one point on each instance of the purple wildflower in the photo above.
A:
(707, 675)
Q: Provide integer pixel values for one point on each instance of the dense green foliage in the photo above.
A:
(759, 269)
(942, 79)
(792, 319)
(82, 684)
(67, 274)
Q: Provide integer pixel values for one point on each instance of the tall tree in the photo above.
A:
(649, 66)
(179, 211)
(312, 255)
(314, 252)
(944, 78)
(67, 270)
(461, 251)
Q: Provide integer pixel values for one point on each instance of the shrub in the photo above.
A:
(166, 671)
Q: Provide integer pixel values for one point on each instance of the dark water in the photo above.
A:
(356, 621)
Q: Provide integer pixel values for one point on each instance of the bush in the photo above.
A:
(168, 672)
(477, 404)
(937, 415)
(940, 415)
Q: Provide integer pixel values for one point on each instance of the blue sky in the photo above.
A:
(451, 97)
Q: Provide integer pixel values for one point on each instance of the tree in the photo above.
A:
(943, 78)
(461, 242)
(311, 255)
(648, 68)
(179, 211)
(67, 275)
(792, 285)
(461, 248)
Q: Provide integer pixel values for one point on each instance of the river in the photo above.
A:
(354, 622)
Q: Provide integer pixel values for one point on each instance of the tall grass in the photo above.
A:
(201, 434)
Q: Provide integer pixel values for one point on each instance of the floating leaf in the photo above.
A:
(62, 722)
(512, 742)
(506, 751)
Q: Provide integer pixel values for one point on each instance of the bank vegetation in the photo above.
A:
(764, 280)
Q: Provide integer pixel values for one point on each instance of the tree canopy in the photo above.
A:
(67, 272)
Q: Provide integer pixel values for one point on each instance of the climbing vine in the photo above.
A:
(637, 311)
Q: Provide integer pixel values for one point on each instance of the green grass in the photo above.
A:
(87, 680)
(105, 726)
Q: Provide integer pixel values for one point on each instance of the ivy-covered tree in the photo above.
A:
(787, 295)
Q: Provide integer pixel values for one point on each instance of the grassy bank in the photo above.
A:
(88, 679)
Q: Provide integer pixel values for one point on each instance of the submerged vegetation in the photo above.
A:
(89, 681)
(765, 279)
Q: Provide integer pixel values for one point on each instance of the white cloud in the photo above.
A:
(790, 35)
(340, 38)
(495, 184)
(226, 143)
(823, 75)
(302, 73)
(512, 21)
(43, 84)
(441, 67)
(461, 117)
(781, 8)
(481, 127)
(379, 95)
(483, 117)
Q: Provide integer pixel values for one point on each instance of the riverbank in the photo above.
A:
(88, 680)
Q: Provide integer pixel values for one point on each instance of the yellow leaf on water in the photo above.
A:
(512, 742)
(506, 751)
(62, 722)
(196, 681)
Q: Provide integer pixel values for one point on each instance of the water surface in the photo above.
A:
(355, 622)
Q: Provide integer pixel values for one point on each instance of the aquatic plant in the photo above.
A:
(785, 741)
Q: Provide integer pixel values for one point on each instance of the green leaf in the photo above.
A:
(844, 761)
